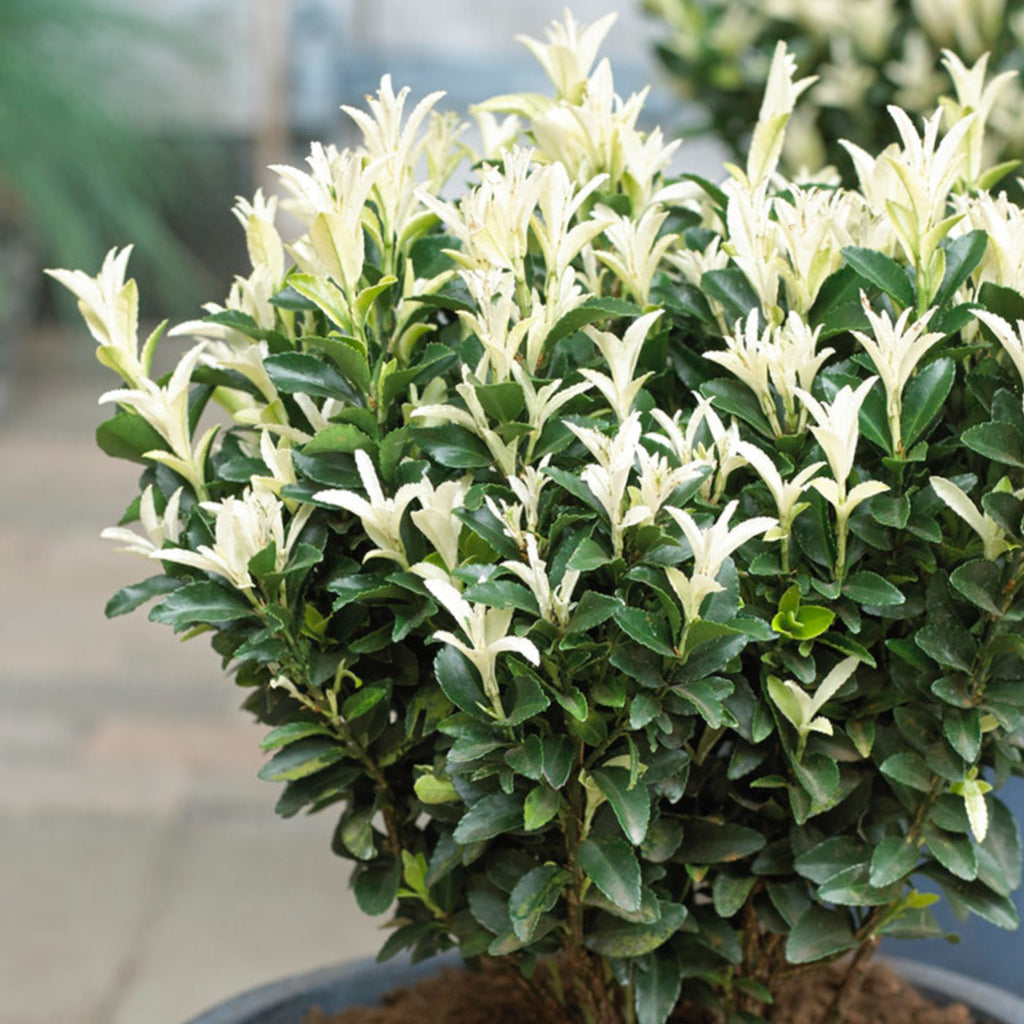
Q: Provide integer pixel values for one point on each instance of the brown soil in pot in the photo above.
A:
(458, 997)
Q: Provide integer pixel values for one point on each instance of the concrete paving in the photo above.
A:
(144, 873)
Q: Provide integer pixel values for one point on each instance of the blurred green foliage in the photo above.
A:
(77, 173)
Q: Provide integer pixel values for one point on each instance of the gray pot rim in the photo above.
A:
(365, 981)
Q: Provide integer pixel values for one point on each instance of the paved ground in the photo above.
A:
(144, 873)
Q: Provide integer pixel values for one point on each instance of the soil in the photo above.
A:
(494, 997)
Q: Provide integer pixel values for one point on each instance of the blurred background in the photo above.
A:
(143, 873)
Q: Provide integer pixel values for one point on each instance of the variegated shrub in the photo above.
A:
(631, 563)
(961, 55)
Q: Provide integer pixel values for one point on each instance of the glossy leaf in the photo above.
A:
(611, 865)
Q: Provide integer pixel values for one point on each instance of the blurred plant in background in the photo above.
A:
(77, 172)
(868, 54)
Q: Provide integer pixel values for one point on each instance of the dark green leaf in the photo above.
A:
(376, 885)
(963, 254)
(127, 599)
(362, 701)
(831, 856)
(893, 859)
(285, 734)
(540, 806)
(977, 898)
(882, 271)
(302, 758)
(632, 807)
(979, 581)
(337, 437)
(1001, 442)
(305, 374)
(535, 894)
(631, 940)
(656, 990)
(732, 290)
(459, 681)
(490, 816)
(908, 769)
(954, 852)
(645, 628)
(818, 934)
(611, 865)
(871, 589)
(730, 892)
(949, 644)
(962, 728)
(594, 310)
(126, 435)
(1002, 843)
(713, 842)
(853, 888)
(732, 396)
(558, 759)
(593, 609)
(200, 603)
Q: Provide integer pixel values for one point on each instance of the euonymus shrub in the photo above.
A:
(632, 565)
(866, 54)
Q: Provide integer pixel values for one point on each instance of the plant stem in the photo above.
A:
(851, 982)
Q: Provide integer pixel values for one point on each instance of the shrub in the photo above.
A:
(868, 53)
(633, 564)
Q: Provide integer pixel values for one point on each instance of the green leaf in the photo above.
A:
(490, 816)
(127, 599)
(348, 355)
(376, 885)
(882, 271)
(535, 894)
(593, 609)
(955, 853)
(285, 734)
(502, 402)
(730, 892)
(818, 934)
(645, 628)
(630, 940)
(588, 556)
(893, 859)
(819, 778)
(979, 581)
(593, 311)
(734, 397)
(632, 807)
(806, 623)
(853, 888)
(656, 990)
(977, 898)
(459, 681)
(611, 865)
(126, 435)
(304, 374)
(1002, 843)
(540, 806)
(713, 842)
(962, 728)
(302, 758)
(732, 290)
(871, 589)
(1000, 442)
(949, 644)
(362, 702)
(201, 603)
(338, 437)
(831, 856)
(963, 254)
(908, 769)
(558, 759)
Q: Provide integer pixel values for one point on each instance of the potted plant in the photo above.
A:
(868, 54)
(632, 564)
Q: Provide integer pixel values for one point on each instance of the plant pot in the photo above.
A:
(364, 982)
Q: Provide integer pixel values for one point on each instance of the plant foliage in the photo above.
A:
(607, 607)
